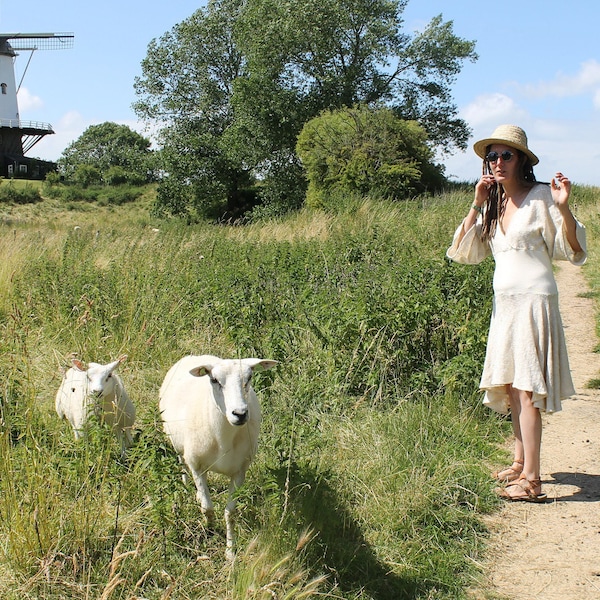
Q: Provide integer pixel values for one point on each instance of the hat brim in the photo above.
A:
(481, 145)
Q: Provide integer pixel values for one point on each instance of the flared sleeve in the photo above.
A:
(558, 244)
(471, 249)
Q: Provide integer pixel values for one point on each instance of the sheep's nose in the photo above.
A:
(240, 416)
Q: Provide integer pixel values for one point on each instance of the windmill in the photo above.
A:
(17, 137)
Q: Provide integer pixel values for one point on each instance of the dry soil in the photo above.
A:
(552, 551)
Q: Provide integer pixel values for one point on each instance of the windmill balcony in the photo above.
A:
(27, 126)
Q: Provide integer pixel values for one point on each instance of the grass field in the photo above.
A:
(372, 474)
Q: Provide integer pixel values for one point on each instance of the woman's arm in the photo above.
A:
(561, 190)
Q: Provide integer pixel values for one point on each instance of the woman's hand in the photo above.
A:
(482, 189)
(561, 190)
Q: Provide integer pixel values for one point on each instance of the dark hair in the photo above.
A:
(495, 204)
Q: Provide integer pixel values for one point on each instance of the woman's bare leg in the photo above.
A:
(515, 416)
(527, 426)
(530, 421)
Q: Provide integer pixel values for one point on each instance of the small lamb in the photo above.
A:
(96, 388)
(212, 416)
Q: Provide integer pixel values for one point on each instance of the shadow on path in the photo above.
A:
(589, 487)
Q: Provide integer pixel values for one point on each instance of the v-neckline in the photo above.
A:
(501, 220)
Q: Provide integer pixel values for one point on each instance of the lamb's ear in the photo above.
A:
(78, 365)
(122, 358)
(260, 364)
(200, 371)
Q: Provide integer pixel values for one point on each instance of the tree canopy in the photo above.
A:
(106, 148)
(233, 85)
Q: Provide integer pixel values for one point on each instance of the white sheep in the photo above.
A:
(96, 389)
(212, 416)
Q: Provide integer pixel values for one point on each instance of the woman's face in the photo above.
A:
(505, 167)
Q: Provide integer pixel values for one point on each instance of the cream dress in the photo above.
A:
(526, 343)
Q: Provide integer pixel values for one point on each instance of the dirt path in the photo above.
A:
(552, 551)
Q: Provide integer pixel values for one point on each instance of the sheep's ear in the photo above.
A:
(78, 365)
(200, 371)
(259, 364)
(122, 358)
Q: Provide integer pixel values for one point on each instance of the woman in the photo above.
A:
(524, 225)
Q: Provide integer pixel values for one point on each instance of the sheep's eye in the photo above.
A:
(214, 381)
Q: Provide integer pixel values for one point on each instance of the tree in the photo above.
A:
(366, 151)
(234, 84)
(105, 146)
(187, 86)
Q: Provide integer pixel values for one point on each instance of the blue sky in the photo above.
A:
(538, 67)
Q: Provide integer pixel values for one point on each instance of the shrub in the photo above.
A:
(86, 175)
(366, 151)
(116, 175)
(12, 194)
(119, 195)
(75, 193)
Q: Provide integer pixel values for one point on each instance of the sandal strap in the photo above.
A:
(527, 485)
(510, 473)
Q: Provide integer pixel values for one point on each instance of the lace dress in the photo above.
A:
(526, 343)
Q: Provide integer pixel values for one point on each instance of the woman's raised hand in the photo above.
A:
(561, 189)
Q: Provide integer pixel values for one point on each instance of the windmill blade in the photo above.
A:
(38, 41)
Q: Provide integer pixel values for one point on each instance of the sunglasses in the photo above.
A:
(493, 156)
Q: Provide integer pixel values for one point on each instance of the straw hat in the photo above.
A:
(509, 135)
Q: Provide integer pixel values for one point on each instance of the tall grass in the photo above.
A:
(373, 465)
(585, 207)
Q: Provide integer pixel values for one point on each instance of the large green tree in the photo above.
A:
(106, 147)
(234, 84)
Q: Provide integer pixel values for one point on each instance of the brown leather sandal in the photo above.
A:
(527, 489)
(511, 473)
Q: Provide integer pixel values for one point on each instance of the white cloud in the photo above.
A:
(586, 80)
(492, 109)
(27, 101)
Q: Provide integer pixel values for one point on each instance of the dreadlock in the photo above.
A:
(494, 208)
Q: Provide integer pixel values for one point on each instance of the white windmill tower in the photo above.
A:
(17, 137)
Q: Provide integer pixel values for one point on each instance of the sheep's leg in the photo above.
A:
(203, 494)
(235, 482)
(184, 475)
(125, 439)
(121, 439)
(128, 437)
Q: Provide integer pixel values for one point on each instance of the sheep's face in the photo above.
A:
(230, 383)
(100, 380)
(231, 386)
